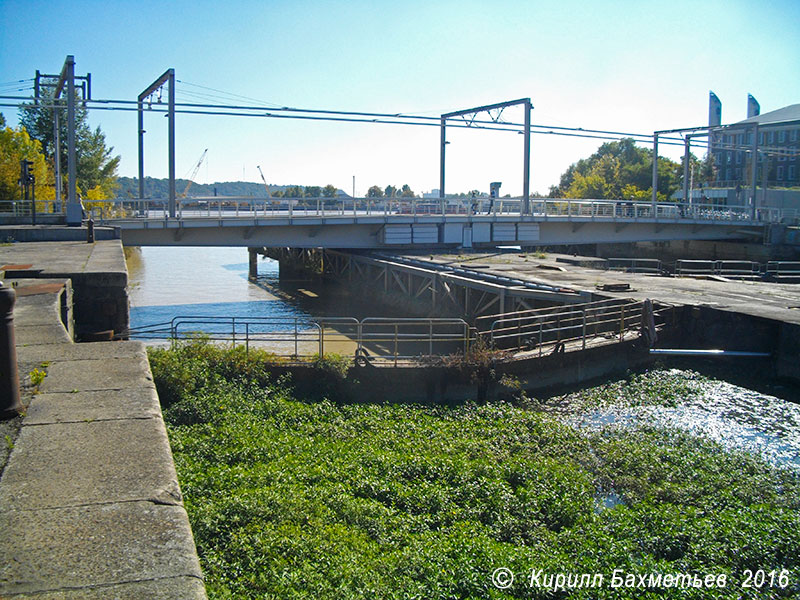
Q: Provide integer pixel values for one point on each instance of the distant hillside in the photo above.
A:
(159, 188)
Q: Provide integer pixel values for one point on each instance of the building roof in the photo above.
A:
(782, 115)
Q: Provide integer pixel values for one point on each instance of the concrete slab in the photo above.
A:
(93, 351)
(70, 464)
(106, 405)
(98, 374)
(172, 588)
(41, 334)
(75, 548)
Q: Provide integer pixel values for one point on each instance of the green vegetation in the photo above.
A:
(296, 498)
(621, 170)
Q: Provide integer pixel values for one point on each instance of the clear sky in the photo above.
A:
(629, 65)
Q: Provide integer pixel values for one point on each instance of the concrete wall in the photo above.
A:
(697, 250)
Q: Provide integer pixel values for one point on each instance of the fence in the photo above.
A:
(554, 327)
(373, 338)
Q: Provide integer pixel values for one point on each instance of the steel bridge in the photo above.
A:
(392, 223)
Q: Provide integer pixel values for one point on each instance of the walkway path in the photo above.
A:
(90, 506)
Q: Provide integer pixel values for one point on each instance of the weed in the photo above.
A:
(37, 377)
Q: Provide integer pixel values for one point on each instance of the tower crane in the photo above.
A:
(269, 195)
(194, 172)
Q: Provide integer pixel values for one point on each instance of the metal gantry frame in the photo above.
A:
(167, 78)
(526, 165)
(66, 78)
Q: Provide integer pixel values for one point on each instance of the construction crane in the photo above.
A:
(269, 195)
(194, 172)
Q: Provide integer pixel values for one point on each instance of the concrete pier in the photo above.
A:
(98, 275)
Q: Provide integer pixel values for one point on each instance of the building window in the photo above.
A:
(738, 158)
(791, 174)
(779, 175)
(794, 135)
(738, 174)
(728, 174)
(782, 136)
(771, 137)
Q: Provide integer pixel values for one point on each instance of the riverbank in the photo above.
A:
(295, 497)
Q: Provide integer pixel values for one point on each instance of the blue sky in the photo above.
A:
(632, 66)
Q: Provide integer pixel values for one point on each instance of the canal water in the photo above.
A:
(212, 282)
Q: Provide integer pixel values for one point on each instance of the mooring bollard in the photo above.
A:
(90, 231)
(10, 406)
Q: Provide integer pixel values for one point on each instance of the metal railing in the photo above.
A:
(373, 338)
(552, 328)
(250, 207)
(109, 211)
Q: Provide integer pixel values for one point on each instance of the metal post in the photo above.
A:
(443, 126)
(57, 156)
(141, 149)
(10, 405)
(655, 172)
(686, 144)
(526, 169)
(583, 312)
(754, 173)
(171, 141)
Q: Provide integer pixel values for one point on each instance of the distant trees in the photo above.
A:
(329, 191)
(391, 191)
(618, 170)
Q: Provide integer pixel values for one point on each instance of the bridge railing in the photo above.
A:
(370, 339)
(232, 207)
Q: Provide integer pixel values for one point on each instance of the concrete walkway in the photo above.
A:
(90, 506)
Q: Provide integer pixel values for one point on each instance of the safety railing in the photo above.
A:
(635, 265)
(552, 328)
(735, 269)
(250, 207)
(369, 339)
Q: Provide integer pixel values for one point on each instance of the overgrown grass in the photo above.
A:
(293, 498)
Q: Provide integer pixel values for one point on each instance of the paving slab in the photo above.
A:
(98, 374)
(74, 548)
(30, 335)
(105, 405)
(70, 464)
(172, 588)
(93, 351)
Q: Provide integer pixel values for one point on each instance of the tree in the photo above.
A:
(618, 170)
(96, 168)
(17, 145)
(329, 191)
(390, 191)
(313, 191)
(406, 191)
(293, 191)
(375, 192)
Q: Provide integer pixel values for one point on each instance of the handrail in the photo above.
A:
(406, 338)
(120, 210)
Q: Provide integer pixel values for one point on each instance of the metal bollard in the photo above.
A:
(10, 405)
(90, 231)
